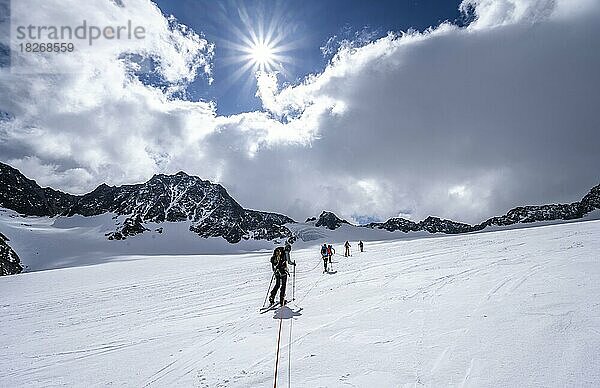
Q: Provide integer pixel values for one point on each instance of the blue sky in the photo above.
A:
(307, 25)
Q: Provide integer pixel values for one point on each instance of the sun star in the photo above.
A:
(260, 44)
(262, 55)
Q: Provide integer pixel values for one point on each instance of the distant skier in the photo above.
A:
(279, 262)
(347, 251)
(361, 245)
(330, 252)
(324, 256)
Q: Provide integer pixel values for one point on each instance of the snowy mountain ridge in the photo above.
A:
(163, 198)
(181, 197)
(328, 220)
(209, 211)
(517, 215)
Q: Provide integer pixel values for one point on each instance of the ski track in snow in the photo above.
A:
(503, 308)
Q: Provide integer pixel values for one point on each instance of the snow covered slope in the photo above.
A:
(62, 242)
(513, 308)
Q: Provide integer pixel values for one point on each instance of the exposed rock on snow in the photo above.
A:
(430, 224)
(214, 213)
(521, 214)
(164, 198)
(527, 214)
(591, 201)
(394, 224)
(182, 197)
(10, 263)
(330, 221)
(131, 226)
(26, 197)
(438, 225)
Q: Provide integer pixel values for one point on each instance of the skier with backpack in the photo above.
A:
(324, 256)
(279, 263)
(347, 251)
(330, 252)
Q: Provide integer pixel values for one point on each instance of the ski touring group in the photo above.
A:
(280, 262)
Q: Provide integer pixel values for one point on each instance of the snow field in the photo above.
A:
(506, 308)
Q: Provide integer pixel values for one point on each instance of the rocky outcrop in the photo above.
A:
(10, 263)
(330, 221)
(438, 225)
(528, 214)
(25, 196)
(521, 214)
(591, 201)
(131, 226)
(394, 224)
(430, 224)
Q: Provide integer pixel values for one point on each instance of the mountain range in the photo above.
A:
(212, 212)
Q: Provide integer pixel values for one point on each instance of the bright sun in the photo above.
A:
(260, 47)
(263, 55)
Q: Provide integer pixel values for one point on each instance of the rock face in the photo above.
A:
(164, 198)
(591, 201)
(438, 225)
(521, 214)
(430, 224)
(27, 197)
(10, 263)
(527, 214)
(330, 221)
(131, 226)
(394, 224)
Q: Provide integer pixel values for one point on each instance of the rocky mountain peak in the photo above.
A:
(330, 221)
(438, 225)
(211, 211)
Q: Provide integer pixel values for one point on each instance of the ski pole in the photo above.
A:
(294, 285)
(269, 289)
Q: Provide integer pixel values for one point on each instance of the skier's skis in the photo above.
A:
(272, 307)
(268, 308)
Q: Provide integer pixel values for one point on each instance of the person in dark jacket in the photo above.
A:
(324, 256)
(361, 245)
(347, 250)
(279, 263)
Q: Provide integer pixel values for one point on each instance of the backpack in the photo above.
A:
(278, 257)
(323, 250)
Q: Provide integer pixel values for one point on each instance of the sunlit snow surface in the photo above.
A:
(512, 308)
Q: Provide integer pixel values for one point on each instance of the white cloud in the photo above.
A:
(461, 123)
